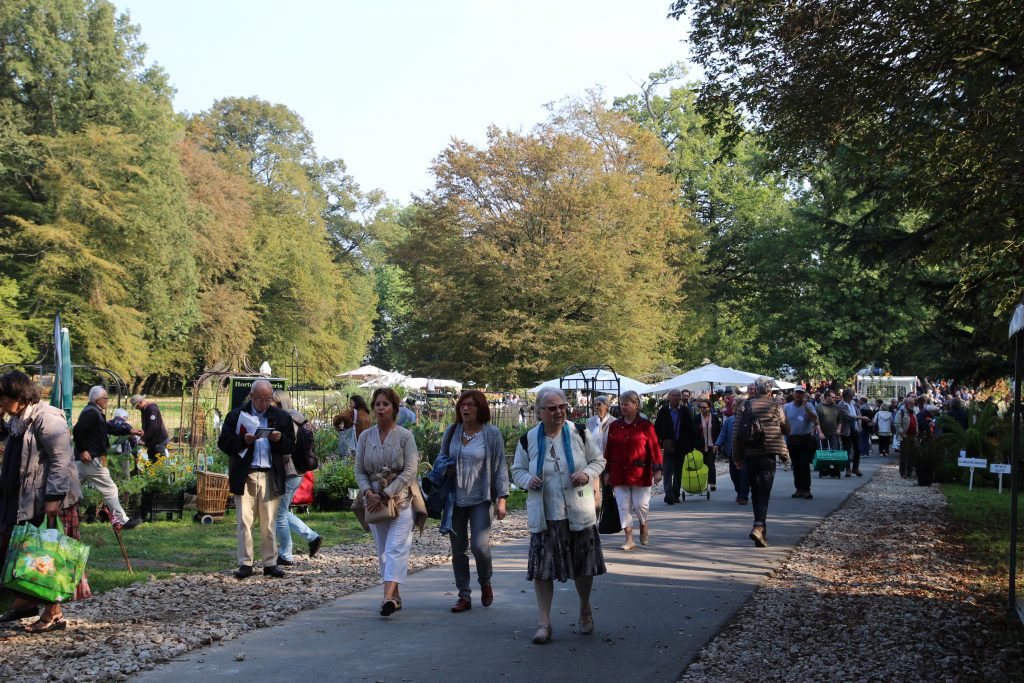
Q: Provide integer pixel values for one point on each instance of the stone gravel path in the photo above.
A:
(877, 592)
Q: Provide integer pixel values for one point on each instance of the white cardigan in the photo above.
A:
(578, 502)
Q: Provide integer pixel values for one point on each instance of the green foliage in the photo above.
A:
(335, 478)
(429, 435)
(325, 443)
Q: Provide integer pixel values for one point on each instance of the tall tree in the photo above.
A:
(910, 100)
(561, 246)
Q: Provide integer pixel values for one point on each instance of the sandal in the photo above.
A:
(586, 623)
(388, 607)
(629, 546)
(16, 613)
(542, 635)
(40, 626)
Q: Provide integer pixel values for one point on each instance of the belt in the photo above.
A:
(261, 469)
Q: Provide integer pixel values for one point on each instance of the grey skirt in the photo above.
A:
(561, 554)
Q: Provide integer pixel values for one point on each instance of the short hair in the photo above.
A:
(630, 396)
(282, 399)
(483, 411)
(704, 402)
(544, 393)
(97, 392)
(601, 399)
(847, 394)
(18, 386)
(390, 396)
(762, 386)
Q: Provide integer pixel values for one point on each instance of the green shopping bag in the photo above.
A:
(44, 563)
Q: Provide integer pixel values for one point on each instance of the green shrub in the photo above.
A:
(335, 478)
(428, 435)
(325, 443)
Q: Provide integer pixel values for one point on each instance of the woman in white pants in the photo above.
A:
(633, 465)
(386, 461)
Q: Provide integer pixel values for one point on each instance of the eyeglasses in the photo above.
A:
(560, 408)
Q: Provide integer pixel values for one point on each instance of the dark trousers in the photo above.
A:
(865, 443)
(801, 453)
(739, 479)
(471, 530)
(883, 443)
(709, 460)
(908, 449)
(761, 474)
(851, 443)
(673, 468)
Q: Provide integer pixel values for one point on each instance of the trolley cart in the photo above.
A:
(213, 496)
(830, 463)
(695, 476)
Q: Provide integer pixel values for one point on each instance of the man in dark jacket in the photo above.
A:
(674, 427)
(154, 434)
(256, 473)
(91, 443)
(707, 426)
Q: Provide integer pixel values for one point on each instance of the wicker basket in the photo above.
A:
(213, 493)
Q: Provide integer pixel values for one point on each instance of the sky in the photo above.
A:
(386, 85)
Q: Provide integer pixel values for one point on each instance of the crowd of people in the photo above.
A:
(562, 467)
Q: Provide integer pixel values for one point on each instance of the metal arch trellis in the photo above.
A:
(111, 378)
(590, 381)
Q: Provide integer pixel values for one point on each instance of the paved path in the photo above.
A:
(653, 610)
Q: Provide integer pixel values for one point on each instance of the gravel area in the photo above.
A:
(879, 591)
(127, 630)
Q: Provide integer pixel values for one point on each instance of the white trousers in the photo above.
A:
(633, 500)
(394, 543)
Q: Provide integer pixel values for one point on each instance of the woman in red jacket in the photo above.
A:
(634, 463)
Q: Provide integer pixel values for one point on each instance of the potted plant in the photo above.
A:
(331, 489)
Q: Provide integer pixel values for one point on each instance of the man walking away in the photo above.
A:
(802, 440)
(154, 434)
(674, 427)
(91, 435)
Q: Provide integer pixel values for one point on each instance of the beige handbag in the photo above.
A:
(385, 513)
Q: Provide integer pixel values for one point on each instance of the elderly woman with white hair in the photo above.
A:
(556, 464)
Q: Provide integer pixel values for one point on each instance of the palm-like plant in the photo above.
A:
(979, 440)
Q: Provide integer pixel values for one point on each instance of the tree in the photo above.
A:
(909, 103)
(564, 245)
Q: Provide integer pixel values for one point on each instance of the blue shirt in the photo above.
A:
(261, 447)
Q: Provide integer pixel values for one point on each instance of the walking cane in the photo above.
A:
(120, 543)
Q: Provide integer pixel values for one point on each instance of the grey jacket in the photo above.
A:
(47, 463)
(494, 477)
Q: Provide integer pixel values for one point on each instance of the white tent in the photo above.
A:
(601, 381)
(785, 386)
(364, 373)
(388, 379)
(703, 377)
(420, 383)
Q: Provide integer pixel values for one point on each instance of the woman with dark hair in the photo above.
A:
(386, 461)
(473, 452)
(360, 413)
(38, 482)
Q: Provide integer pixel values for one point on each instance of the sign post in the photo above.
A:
(996, 468)
(964, 461)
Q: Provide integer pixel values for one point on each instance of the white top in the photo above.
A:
(883, 420)
(599, 428)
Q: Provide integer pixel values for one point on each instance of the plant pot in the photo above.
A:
(326, 502)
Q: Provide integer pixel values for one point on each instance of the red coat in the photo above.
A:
(628, 444)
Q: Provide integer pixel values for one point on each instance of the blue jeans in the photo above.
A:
(287, 522)
(476, 539)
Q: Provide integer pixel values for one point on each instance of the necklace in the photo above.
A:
(467, 438)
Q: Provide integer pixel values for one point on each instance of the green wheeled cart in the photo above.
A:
(830, 463)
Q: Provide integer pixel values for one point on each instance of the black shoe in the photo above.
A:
(283, 562)
(714, 488)
(131, 524)
(314, 545)
(798, 494)
(669, 500)
(243, 572)
(808, 496)
(276, 572)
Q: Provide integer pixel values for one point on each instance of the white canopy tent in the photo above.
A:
(420, 383)
(364, 373)
(785, 386)
(601, 381)
(388, 379)
(703, 377)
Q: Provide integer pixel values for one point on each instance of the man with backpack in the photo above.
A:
(757, 442)
(296, 464)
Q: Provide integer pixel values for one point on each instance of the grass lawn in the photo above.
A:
(167, 548)
(982, 517)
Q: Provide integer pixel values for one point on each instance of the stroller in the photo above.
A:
(695, 476)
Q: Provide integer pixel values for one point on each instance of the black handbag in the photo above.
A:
(609, 522)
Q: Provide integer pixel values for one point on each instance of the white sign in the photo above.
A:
(999, 469)
(972, 462)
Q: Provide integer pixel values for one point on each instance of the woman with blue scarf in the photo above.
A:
(557, 467)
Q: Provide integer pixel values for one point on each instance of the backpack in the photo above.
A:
(304, 456)
(751, 433)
